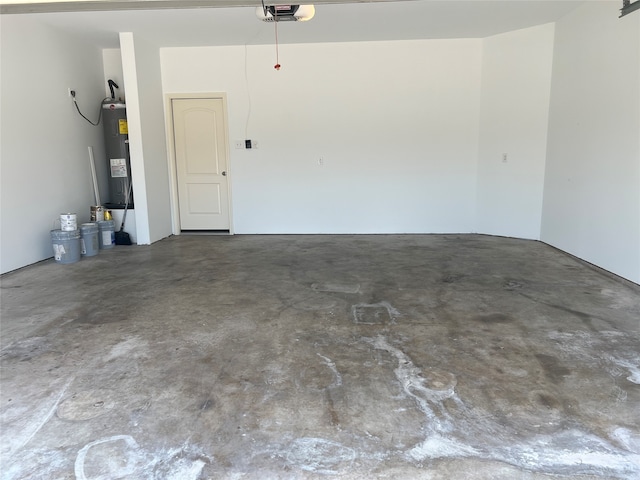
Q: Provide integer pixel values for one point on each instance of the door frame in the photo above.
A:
(171, 150)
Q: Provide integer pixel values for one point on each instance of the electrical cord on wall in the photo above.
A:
(73, 97)
(246, 80)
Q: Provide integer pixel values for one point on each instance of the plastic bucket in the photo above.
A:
(107, 234)
(66, 246)
(89, 242)
(68, 222)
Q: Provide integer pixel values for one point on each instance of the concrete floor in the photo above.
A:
(256, 357)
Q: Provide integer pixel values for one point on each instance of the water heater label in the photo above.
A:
(123, 126)
(118, 167)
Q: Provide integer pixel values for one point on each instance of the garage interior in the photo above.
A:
(433, 261)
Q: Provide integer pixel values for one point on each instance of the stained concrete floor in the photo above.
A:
(256, 357)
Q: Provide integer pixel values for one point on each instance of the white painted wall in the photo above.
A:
(44, 160)
(147, 141)
(514, 113)
(396, 124)
(592, 183)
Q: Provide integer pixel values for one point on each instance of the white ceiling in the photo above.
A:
(399, 20)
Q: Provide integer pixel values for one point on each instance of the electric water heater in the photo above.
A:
(116, 140)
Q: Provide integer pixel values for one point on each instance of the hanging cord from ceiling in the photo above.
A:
(277, 65)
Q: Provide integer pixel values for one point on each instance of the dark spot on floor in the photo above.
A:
(451, 278)
(547, 400)
(493, 318)
(512, 285)
(552, 367)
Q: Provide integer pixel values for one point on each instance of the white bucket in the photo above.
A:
(68, 222)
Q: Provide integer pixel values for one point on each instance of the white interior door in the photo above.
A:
(199, 131)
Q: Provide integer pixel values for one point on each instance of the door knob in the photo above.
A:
(224, 174)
